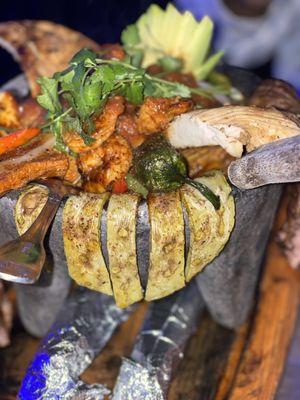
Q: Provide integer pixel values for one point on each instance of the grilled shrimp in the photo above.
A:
(156, 113)
(107, 163)
(104, 127)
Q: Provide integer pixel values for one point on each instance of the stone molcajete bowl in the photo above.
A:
(227, 284)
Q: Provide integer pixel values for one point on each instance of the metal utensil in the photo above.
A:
(276, 162)
(22, 259)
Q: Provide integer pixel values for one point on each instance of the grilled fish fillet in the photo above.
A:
(41, 47)
(231, 127)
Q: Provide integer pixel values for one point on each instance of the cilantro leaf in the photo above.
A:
(159, 88)
(74, 124)
(60, 145)
(76, 95)
(105, 74)
(90, 96)
(179, 90)
(130, 39)
(120, 71)
(134, 93)
(49, 97)
(83, 55)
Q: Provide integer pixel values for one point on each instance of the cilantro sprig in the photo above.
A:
(74, 96)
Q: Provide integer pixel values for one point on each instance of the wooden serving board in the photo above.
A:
(219, 363)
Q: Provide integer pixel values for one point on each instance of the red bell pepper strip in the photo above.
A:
(16, 139)
(119, 186)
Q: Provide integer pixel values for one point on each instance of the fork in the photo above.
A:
(22, 259)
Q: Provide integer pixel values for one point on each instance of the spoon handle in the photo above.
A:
(36, 233)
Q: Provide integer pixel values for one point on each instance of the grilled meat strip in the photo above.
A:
(115, 158)
(276, 93)
(152, 116)
(35, 160)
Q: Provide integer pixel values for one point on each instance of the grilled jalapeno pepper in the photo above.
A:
(159, 167)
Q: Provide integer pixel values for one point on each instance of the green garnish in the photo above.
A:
(173, 38)
(6, 129)
(170, 64)
(220, 80)
(72, 97)
(159, 167)
(135, 186)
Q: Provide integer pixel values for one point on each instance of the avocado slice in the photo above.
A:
(171, 33)
(202, 34)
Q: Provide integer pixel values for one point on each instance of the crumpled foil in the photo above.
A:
(159, 346)
(83, 327)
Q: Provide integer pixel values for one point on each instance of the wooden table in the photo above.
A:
(219, 363)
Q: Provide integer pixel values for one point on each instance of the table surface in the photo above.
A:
(289, 388)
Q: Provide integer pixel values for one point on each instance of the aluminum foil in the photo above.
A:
(83, 327)
(159, 346)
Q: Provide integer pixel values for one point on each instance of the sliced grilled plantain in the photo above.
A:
(166, 269)
(209, 229)
(121, 245)
(82, 243)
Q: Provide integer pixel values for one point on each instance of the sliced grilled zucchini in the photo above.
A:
(111, 265)
(82, 243)
(121, 245)
(166, 269)
(209, 228)
(28, 206)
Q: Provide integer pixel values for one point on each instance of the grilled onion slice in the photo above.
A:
(209, 228)
(121, 245)
(166, 269)
(82, 243)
